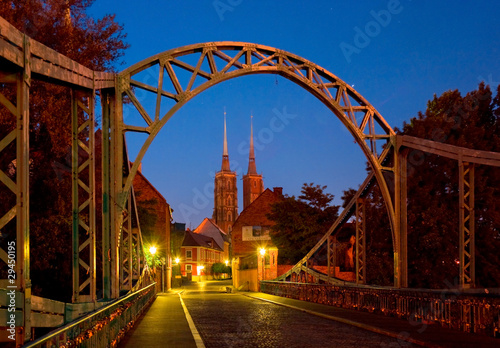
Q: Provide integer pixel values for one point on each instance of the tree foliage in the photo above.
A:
(471, 121)
(64, 26)
(301, 222)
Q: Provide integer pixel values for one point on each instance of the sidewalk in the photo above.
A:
(163, 325)
(418, 333)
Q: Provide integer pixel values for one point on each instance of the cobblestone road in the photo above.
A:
(234, 320)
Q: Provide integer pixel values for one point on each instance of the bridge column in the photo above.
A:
(360, 241)
(83, 178)
(16, 255)
(107, 103)
(467, 222)
(332, 255)
(22, 180)
(400, 237)
(116, 177)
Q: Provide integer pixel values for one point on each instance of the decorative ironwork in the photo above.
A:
(474, 313)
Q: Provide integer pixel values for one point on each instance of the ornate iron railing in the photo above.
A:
(103, 328)
(474, 311)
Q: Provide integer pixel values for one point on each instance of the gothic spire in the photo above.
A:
(252, 169)
(225, 155)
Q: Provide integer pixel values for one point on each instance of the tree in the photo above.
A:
(64, 26)
(300, 223)
(471, 121)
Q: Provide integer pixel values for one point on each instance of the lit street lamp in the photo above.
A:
(152, 250)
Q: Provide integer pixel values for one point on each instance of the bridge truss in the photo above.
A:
(202, 66)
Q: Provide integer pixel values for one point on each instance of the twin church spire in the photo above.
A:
(226, 192)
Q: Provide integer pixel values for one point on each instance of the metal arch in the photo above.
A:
(249, 59)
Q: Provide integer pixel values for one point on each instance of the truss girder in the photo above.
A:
(348, 211)
(467, 225)
(83, 196)
(360, 241)
(15, 182)
(126, 253)
(212, 63)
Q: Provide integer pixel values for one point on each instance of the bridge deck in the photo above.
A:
(427, 335)
(163, 325)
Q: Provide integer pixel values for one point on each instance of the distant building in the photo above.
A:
(225, 192)
(198, 253)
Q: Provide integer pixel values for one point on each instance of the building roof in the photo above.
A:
(209, 228)
(195, 240)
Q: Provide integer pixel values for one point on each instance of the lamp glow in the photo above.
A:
(227, 262)
(262, 251)
(177, 260)
(152, 250)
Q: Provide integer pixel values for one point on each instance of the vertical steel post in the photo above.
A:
(74, 199)
(22, 173)
(360, 241)
(83, 186)
(400, 233)
(328, 256)
(467, 222)
(400, 206)
(116, 159)
(107, 100)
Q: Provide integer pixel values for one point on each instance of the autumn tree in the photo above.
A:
(64, 26)
(301, 222)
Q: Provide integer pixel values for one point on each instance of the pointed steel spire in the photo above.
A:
(252, 169)
(225, 155)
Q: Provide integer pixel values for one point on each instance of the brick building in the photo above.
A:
(155, 220)
(250, 235)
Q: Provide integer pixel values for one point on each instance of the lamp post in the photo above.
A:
(261, 268)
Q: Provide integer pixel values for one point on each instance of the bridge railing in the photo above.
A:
(102, 328)
(472, 311)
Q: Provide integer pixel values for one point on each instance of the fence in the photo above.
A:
(103, 328)
(474, 311)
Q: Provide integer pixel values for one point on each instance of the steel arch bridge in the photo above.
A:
(23, 59)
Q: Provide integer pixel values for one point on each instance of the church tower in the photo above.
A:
(253, 185)
(225, 192)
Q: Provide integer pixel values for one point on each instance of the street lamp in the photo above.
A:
(152, 250)
(177, 260)
(262, 251)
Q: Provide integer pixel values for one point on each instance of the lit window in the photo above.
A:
(189, 268)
